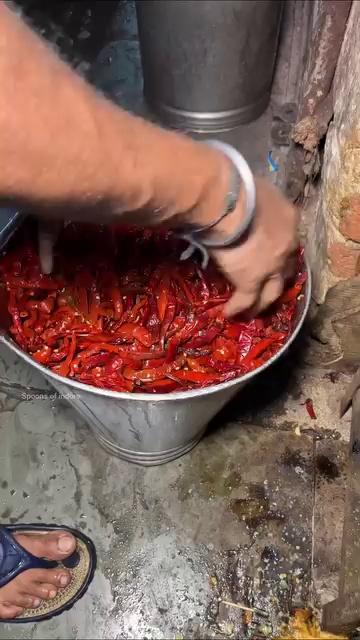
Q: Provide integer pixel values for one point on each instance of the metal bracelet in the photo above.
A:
(232, 198)
(195, 239)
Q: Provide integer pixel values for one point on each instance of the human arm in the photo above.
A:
(69, 152)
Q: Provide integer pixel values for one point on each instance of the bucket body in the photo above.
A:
(150, 429)
(208, 65)
(146, 432)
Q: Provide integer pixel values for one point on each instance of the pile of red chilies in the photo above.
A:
(122, 312)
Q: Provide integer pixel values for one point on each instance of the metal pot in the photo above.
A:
(150, 429)
(208, 66)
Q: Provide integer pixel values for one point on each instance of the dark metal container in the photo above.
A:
(208, 64)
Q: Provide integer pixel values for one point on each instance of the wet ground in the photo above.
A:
(252, 517)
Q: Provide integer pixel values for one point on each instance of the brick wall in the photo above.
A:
(334, 235)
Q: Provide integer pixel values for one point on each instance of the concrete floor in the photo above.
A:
(242, 519)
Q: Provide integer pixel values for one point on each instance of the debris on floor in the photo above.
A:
(304, 626)
(310, 408)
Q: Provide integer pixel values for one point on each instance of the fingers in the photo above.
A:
(47, 235)
(256, 301)
(259, 266)
(271, 291)
(241, 301)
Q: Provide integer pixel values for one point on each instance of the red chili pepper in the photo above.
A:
(86, 353)
(60, 352)
(310, 408)
(96, 360)
(62, 312)
(65, 365)
(163, 297)
(113, 363)
(43, 355)
(153, 374)
(215, 312)
(117, 302)
(134, 313)
(183, 286)
(161, 386)
(123, 313)
(167, 319)
(195, 377)
(145, 375)
(153, 323)
(131, 331)
(259, 348)
(204, 289)
(225, 350)
(184, 334)
(154, 363)
(42, 282)
(95, 304)
(233, 331)
(82, 301)
(95, 338)
(28, 325)
(205, 336)
(17, 327)
(175, 326)
(244, 343)
(291, 294)
(47, 305)
(196, 364)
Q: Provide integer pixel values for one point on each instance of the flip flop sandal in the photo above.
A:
(14, 559)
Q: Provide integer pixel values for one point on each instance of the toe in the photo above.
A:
(54, 545)
(36, 602)
(23, 600)
(33, 577)
(44, 591)
(9, 611)
(50, 590)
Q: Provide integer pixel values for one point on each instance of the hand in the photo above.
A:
(259, 266)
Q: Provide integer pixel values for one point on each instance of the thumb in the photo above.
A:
(47, 235)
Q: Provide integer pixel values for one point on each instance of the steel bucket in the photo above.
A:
(208, 65)
(149, 429)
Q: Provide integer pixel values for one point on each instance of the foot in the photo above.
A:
(29, 588)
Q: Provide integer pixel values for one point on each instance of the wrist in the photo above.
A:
(231, 222)
(241, 200)
(212, 198)
(235, 216)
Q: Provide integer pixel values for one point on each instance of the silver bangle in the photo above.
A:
(196, 239)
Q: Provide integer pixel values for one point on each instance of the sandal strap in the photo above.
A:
(14, 559)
